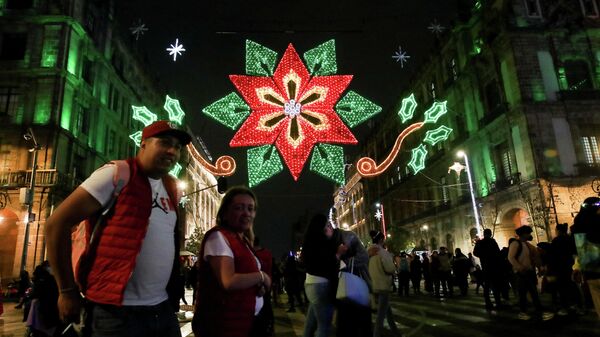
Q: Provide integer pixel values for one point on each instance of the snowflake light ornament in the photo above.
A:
(436, 28)
(176, 49)
(290, 109)
(378, 215)
(138, 29)
(400, 56)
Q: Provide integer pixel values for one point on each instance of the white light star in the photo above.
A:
(400, 56)
(176, 49)
(436, 28)
(138, 29)
(378, 215)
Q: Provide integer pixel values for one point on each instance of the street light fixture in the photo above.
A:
(458, 167)
(381, 217)
(30, 137)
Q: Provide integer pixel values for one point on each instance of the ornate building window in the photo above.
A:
(578, 75)
(533, 8)
(589, 8)
(10, 99)
(590, 150)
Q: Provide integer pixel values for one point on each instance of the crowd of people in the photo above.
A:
(129, 280)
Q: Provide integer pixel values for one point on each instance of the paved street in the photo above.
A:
(419, 316)
(425, 316)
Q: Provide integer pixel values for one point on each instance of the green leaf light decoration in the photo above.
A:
(417, 161)
(407, 110)
(433, 137)
(321, 60)
(172, 106)
(142, 114)
(137, 138)
(260, 60)
(328, 161)
(263, 163)
(230, 110)
(437, 110)
(175, 170)
(355, 109)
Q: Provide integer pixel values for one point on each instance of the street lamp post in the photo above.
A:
(30, 136)
(462, 154)
(381, 216)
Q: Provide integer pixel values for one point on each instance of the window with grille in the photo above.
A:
(10, 98)
(589, 8)
(444, 189)
(590, 150)
(533, 8)
(14, 46)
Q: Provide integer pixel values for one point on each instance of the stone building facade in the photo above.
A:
(521, 79)
(69, 76)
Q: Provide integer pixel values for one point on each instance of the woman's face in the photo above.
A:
(328, 230)
(240, 213)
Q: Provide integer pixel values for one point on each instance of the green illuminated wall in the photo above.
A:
(73, 53)
(65, 117)
(50, 48)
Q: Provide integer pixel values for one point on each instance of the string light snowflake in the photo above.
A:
(138, 29)
(436, 28)
(176, 49)
(400, 56)
(378, 215)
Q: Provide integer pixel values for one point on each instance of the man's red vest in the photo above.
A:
(120, 240)
(221, 313)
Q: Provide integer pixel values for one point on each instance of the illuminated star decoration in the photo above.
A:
(436, 28)
(457, 167)
(176, 49)
(367, 167)
(138, 29)
(378, 215)
(289, 109)
(400, 56)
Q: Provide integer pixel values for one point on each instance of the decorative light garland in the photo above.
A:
(224, 166)
(289, 107)
(172, 106)
(367, 167)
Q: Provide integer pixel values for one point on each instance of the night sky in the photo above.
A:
(367, 34)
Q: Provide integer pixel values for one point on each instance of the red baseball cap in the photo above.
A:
(166, 128)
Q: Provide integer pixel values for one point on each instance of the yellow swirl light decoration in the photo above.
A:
(368, 168)
(224, 166)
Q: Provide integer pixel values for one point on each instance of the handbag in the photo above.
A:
(353, 288)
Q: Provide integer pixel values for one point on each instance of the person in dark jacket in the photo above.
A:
(415, 273)
(320, 255)
(426, 266)
(488, 252)
(24, 284)
(461, 266)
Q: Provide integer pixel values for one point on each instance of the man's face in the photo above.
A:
(159, 154)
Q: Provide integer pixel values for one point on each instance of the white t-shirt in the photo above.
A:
(216, 245)
(147, 285)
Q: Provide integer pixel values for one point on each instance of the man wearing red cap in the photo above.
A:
(131, 281)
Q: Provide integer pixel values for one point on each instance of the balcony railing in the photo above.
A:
(505, 182)
(576, 95)
(43, 178)
(586, 169)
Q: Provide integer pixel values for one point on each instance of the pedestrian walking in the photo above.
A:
(381, 269)
(461, 267)
(320, 255)
(426, 267)
(403, 274)
(132, 275)
(488, 252)
(524, 259)
(416, 273)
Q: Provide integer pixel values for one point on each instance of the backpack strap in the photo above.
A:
(120, 179)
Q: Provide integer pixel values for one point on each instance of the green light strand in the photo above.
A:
(328, 161)
(142, 114)
(407, 110)
(321, 59)
(355, 109)
(230, 110)
(417, 161)
(437, 110)
(433, 137)
(263, 163)
(175, 170)
(172, 106)
(260, 60)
